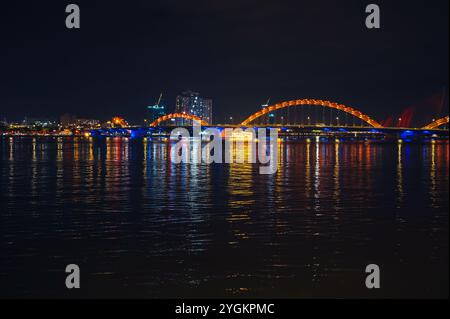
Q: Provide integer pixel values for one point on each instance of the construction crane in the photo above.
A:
(267, 104)
(155, 111)
(159, 100)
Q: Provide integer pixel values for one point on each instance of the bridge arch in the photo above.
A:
(178, 116)
(323, 103)
(437, 123)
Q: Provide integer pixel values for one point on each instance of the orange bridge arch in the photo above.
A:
(178, 116)
(437, 123)
(323, 103)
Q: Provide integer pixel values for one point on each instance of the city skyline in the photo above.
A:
(190, 102)
(198, 154)
(434, 107)
(291, 50)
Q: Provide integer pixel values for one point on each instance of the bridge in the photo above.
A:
(437, 123)
(175, 116)
(312, 102)
(298, 118)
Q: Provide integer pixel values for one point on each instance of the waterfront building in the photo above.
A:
(190, 102)
(156, 111)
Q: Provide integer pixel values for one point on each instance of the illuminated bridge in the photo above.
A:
(296, 119)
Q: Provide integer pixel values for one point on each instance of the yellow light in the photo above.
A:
(242, 136)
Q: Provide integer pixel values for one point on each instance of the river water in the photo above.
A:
(140, 226)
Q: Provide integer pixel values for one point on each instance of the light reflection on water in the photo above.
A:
(140, 226)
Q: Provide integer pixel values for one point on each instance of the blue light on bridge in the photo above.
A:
(407, 136)
(135, 134)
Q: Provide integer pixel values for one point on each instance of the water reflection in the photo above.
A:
(400, 175)
(146, 227)
(337, 189)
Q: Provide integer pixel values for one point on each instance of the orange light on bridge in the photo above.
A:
(173, 116)
(303, 102)
(437, 123)
(118, 121)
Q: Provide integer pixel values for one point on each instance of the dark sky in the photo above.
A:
(237, 52)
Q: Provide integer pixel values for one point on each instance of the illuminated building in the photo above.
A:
(118, 122)
(39, 122)
(68, 121)
(155, 112)
(191, 103)
(87, 123)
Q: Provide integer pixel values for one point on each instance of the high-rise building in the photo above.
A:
(191, 103)
(156, 111)
(271, 119)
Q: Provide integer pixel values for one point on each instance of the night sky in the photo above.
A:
(237, 52)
